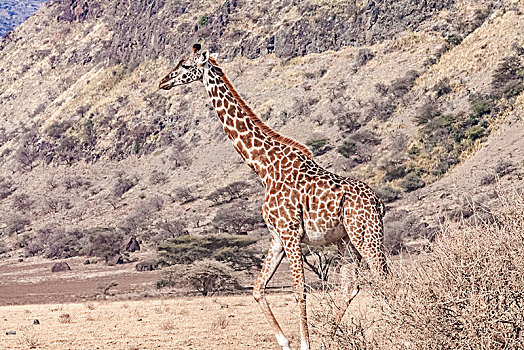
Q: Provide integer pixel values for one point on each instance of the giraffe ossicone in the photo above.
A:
(304, 203)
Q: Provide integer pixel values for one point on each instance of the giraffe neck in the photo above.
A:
(252, 139)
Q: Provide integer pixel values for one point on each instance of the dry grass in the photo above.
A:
(220, 323)
(466, 293)
(64, 318)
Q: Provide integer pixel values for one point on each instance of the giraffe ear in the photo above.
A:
(204, 57)
(213, 56)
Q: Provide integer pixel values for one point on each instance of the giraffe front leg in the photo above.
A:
(294, 257)
(271, 263)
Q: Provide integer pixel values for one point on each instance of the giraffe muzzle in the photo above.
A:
(164, 84)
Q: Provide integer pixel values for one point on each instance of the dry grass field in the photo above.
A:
(224, 322)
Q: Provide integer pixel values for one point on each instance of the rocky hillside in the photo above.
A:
(423, 100)
(12, 13)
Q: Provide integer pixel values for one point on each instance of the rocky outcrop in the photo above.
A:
(132, 245)
(80, 10)
(146, 29)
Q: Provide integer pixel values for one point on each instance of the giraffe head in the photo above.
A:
(188, 70)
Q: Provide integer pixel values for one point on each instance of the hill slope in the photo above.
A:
(400, 94)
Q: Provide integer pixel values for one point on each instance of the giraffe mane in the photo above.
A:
(255, 119)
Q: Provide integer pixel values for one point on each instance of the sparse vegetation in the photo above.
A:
(6, 188)
(402, 86)
(16, 224)
(55, 242)
(363, 56)
(359, 146)
(183, 195)
(123, 184)
(208, 277)
(442, 87)
(235, 218)
(411, 182)
(320, 261)
(228, 193)
(508, 78)
(158, 178)
(80, 108)
(64, 318)
(22, 202)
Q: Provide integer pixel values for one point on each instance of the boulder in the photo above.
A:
(132, 245)
(115, 260)
(60, 266)
(147, 265)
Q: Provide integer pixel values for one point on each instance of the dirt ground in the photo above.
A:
(74, 313)
(224, 322)
(32, 282)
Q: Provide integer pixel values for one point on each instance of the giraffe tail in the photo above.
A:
(381, 208)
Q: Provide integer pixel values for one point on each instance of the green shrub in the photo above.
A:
(444, 137)
(204, 20)
(387, 193)
(480, 105)
(475, 132)
(347, 149)
(453, 40)
(394, 168)
(318, 146)
(237, 251)
(411, 182)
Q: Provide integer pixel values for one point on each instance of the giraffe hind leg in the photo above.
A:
(349, 277)
(366, 234)
(365, 238)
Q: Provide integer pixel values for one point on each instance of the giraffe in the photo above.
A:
(304, 203)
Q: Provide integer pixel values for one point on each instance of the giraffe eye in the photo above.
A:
(186, 67)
